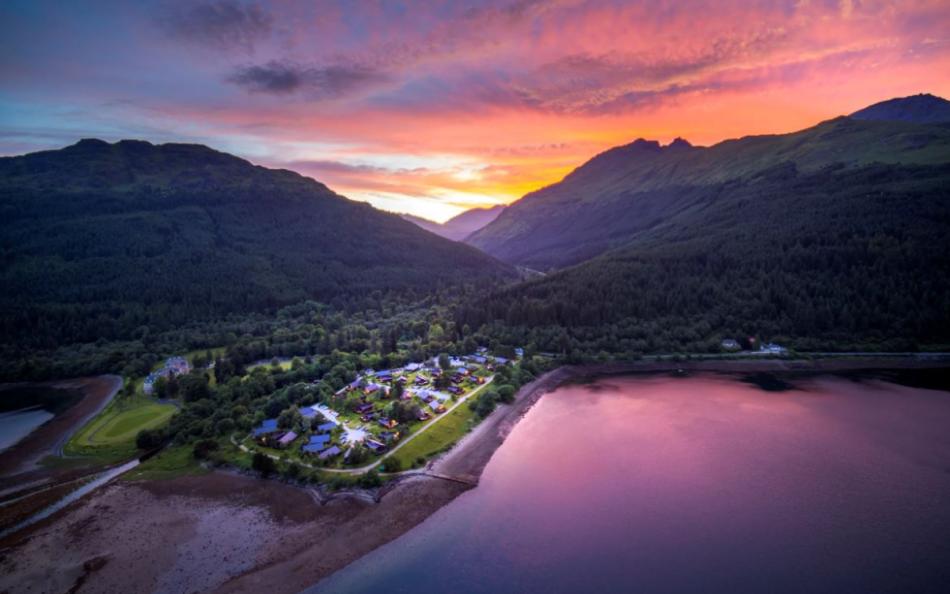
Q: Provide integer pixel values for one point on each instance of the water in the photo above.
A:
(703, 484)
(17, 424)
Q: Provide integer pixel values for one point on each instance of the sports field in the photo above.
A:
(111, 435)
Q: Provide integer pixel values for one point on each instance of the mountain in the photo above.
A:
(830, 238)
(106, 241)
(460, 226)
(921, 109)
(631, 189)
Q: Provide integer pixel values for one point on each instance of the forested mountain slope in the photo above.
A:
(628, 190)
(841, 258)
(103, 241)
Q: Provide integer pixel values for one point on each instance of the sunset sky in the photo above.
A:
(435, 107)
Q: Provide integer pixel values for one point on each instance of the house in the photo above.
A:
(436, 407)
(402, 380)
(326, 427)
(384, 376)
(519, 352)
(177, 365)
(389, 436)
(421, 381)
(286, 439)
(455, 390)
(316, 444)
(481, 350)
(308, 412)
(330, 452)
(368, 417)
(457, 378)
(370, 388)
(422, 415)
(320, 440)
(387, 423)
(478, 379)
(730, 344)
(266, 428)
(364, 408)
(374, 445)
(413, 367)
(478, 359)
(501, 360)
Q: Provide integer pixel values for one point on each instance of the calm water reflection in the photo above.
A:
(17, 424)
(695, 485)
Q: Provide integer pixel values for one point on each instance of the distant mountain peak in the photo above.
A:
(679, 142)
(922, 109)
(644, 144)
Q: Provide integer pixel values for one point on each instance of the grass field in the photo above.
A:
(167, 464)
(110, 436)
(442, 434)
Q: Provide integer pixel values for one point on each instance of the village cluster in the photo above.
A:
(379, 408)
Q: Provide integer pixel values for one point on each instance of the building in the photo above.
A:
(286, 439)
(330, 452)
(387, 423)
(376, 446)
(437, 407)
(519, 352)
(773, 349)
(326, 427)
(266, 428)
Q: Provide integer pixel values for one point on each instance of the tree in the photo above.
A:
(290, 418)
(506, 393)
(263, 464)
(149, 439)
(444, 362)
(370, 480)
(204, 448)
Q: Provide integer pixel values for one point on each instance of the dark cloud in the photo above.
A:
(278, 77)
(225, 24)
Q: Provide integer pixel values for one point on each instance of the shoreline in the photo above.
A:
(22, 458)
(224, 532)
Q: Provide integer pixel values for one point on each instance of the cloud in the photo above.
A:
(223, 24)
(284, 77)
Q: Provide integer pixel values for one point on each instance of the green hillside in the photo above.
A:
(106, 241)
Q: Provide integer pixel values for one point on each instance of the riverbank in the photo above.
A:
(49, 438)
(224, 532)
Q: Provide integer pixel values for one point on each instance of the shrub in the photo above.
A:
(263, 464)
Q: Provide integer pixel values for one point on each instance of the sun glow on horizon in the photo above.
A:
(434, 108)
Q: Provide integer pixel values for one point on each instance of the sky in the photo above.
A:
(432, 108)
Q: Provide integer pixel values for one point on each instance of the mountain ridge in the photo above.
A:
(617, 193)
(461, 225)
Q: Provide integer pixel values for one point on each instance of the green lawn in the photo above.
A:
(167, 464)
(444, 432)
(110, 436)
